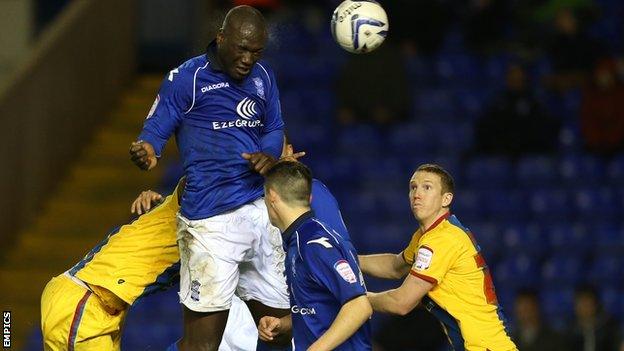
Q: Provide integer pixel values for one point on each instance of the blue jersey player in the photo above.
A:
(329, 307)
(220, 105)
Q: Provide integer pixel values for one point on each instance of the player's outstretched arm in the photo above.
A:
(385, 266)
(349, 319)
(145, 201)
(271, 327)
(143, 155)
(402, 299)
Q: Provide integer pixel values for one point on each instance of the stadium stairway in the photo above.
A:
(94, 196)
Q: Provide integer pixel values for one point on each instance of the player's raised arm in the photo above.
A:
(175, 99)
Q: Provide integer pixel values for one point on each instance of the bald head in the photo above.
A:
(244, 19)
(241, 41)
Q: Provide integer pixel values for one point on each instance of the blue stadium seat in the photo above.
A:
(409, 139)
(596, 204)
(470, 103)
(420, 70)
(454, 136)
(436, 103)
(607, 270)
(566, 237)
(550, 204)
(557, 304)
(581, 169)
(458, 69)
(467, 204)
(489, 172)
(360, 139)
(516, 271)
(563, 270)
(523, 238)
(615, 171)
(608, 238)
(495, 70)
(505, 205)
(612, 302)
(536, 171)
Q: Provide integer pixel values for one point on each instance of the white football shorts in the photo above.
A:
(235, 251)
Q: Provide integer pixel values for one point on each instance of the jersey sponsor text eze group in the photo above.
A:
(236, 123)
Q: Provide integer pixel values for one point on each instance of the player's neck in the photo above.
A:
(431, 221)
(290, 215)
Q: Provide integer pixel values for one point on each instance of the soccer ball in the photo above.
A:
(359, 26)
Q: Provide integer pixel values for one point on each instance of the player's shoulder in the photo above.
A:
(265, 71)
(187, 71)
(317, 234)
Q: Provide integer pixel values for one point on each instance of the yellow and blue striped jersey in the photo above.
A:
(463, 297)
(136, 259)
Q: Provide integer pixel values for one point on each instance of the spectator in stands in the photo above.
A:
(602, 109)
(593, 329)
(530, 334)
(572, 52)
(515, 123)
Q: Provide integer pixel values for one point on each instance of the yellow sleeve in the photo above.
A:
(435, 256)
(409, 253)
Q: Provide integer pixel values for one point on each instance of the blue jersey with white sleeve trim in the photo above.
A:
(322, 274)
(215, 119)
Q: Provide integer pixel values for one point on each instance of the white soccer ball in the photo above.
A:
(359, 26)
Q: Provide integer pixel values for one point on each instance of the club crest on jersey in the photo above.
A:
(344, 269)
(259, 86)
(246, 108)
(423, 258)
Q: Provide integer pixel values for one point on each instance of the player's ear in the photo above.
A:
(220, 36)
(447, 198)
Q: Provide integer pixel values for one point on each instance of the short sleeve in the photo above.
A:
(409, 253)
(334, 268)
(434, 258)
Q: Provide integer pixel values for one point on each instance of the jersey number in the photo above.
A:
(488, 284)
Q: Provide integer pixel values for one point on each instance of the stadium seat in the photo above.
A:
(437, 103)
(615, 171)
(607, 270)
(469, 103)
(489, 172)
(409, 139)
(505, 205)
(557, 304)
(608, 238)
(360, 139)
(596, 204)
(468, 205)
(536, 171)
(548, 204)
(563, 270)
(523, 238)
(581, 169)
(612, 302)
(517, 270)
(563, 237)
(455, 69)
